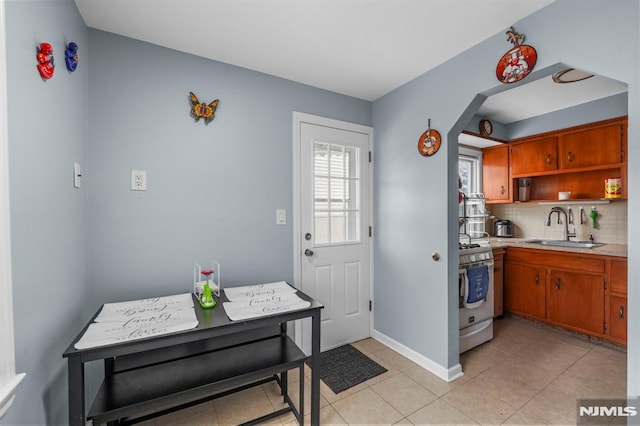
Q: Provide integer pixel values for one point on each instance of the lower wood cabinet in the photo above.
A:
(581, 292)
(524, 289)
(576, 300)
(498, 278)
(617, 324)
(616, 301)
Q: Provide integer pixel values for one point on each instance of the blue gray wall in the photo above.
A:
(415, 203)
(601, 109)
(47, 133)
(213, 190)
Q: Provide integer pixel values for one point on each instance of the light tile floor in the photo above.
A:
(529, 374)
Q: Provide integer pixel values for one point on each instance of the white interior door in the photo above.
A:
(334, 246)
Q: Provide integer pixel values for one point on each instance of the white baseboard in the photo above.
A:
(446, 374)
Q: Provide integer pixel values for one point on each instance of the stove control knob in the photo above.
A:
(472, 257)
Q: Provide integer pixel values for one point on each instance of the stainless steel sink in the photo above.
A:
(563, 243)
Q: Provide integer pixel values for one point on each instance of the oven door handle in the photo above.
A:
(461, 273)
(481, 329)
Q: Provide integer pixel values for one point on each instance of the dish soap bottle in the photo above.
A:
(206, 298)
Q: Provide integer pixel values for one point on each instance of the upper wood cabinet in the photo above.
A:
(591, 147)
(495, 174)
(576, 159)
(534, 155)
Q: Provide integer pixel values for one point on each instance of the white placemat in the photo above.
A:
(237, 294)
(137, 319)
(264, 305)
(122, 310)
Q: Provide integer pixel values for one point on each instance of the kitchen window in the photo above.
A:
(470, 170)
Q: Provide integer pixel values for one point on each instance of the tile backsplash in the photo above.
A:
(528, 220)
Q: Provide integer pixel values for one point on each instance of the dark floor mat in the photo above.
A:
(345, 366)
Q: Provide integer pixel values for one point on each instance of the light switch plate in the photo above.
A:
(281, 217)
(77, 174)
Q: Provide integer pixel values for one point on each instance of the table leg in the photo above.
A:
(76, 391)
(315, 368)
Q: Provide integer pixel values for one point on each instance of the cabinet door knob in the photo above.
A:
(621, 312)
(569, 156)
(501, 189)
(537, 278)
(548, 158)
(558, 283)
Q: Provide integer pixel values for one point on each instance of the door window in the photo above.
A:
(336, 177)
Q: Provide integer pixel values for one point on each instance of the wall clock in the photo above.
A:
(486, 128)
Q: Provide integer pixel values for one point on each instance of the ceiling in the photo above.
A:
(540, 97)
(360, 48)
(544, 95)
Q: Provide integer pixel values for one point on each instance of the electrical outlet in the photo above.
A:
(138, 180)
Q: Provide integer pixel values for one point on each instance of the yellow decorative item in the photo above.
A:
(613, 188)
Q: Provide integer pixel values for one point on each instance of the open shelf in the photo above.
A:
(181, 381)
(585, 186)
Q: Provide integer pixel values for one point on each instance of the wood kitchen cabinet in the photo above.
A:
(618, 275)
(534, 155)
(616, 301)
(592, 147)
(576, 300)
(575, 159)
(524, 289)
(617, 324)
(495, 174)
(498, 277)
(581, 292)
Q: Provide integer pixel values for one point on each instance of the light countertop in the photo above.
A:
(605, 250)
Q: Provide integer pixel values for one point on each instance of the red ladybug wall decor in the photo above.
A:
(45, 66)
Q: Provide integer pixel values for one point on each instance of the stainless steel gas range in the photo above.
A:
(475, 283)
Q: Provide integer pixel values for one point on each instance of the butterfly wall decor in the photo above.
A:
(202, 110)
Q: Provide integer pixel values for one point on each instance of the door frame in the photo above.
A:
(298, 119)
(8, 379)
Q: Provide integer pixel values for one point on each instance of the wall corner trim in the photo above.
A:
(7, 392)
(446, 374)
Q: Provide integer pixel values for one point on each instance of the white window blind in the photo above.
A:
(336, 194)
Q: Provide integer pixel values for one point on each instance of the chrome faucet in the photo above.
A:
(559, 210)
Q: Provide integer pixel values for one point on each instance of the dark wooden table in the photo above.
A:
(242, 350)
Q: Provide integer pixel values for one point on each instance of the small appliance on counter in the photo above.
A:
(524, 189)
(503, 228)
